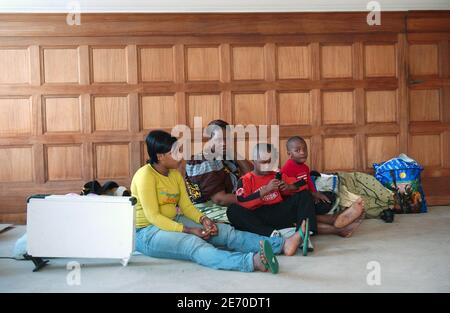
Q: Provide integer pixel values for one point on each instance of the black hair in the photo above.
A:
(220, 123)
(292, 139)
(158, 141)
(214, 124)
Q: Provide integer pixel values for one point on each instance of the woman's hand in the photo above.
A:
(210, 226)
(197, 231)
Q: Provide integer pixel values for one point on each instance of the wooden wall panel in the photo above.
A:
(203, 63)
(158, 111)
(77, 102)
(60, 65)
(112, 161)
(55, 107)
(109, 65)
(338, 107)
(428, 103)
(156, 64)
(17, 164)
(339, 153)
(110, 113)
(248, 63)
(15, 65)
(336, 61)
(379, 60)
(381, 106)
(143, 154)
(205, 106)
(182, 24)
(423, 59)
(250, 109)
(294, 108)
(426, 149)
(64, 162)
(381, 148)
(293, 62)
(15, 116)
(424, 105)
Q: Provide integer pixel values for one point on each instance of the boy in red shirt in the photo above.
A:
(343, 224)
(262, 206)
(295, 166)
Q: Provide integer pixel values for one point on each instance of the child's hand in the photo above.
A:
(318, 196)
(286, 187)
(283, 186)
(273, 184)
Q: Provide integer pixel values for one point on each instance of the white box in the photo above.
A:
(81, 227)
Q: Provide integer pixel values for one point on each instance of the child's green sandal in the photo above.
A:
(304, 236)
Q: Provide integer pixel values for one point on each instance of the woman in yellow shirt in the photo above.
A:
(163, 233)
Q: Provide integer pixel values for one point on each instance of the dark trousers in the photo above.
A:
(267, 218)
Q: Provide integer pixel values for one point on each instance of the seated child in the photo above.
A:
(343, 224)
(262, 208)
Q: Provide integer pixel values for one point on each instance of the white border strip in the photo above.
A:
(211, 6)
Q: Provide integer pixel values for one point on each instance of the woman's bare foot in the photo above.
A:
(350, 215)
(257, 264)
(349, 229)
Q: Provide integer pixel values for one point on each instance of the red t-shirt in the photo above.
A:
(298, 171)
(250, 184)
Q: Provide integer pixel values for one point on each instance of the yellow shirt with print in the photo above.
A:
(157, 197)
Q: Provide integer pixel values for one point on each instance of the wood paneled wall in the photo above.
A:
(77, 101)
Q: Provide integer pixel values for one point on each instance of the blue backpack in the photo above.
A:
(402, 176)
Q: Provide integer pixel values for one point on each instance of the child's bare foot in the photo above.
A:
(291, 244)
(257, 264)
(349, 229)
(350, 215)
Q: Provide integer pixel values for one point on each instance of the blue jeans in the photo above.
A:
(158, 243)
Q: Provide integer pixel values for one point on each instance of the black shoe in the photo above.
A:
(387, 215)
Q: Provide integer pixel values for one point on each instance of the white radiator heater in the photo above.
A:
(80, 227)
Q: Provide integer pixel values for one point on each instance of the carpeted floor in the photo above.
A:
(413, 254)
